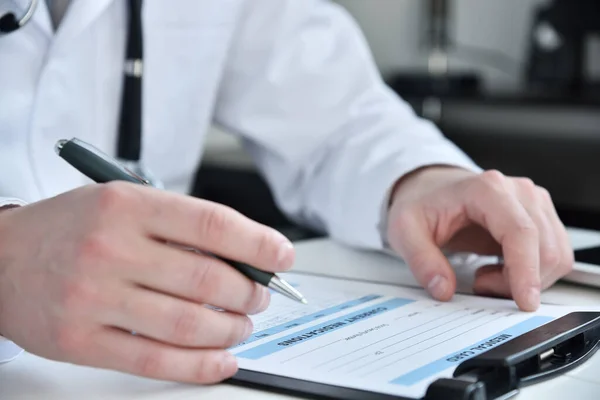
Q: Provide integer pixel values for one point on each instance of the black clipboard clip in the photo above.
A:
(533, 357)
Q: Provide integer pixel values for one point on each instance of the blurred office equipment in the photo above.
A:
(438, 78)
(557, 55)
(547, 129)
(560, 49)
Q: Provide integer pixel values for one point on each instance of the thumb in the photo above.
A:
(410, 236)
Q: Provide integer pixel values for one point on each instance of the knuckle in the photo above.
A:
(267, 249)
(252, 302)
(493, 181)
(550, 258)
(526, 183)
(92, 247)
(206, 369)
(213, 222)
(527, 187)
(151, 363)
(185, 326)
(525, 226)
(493, 176)
(113, 196)
(544, 195)
(236, 332)
(204, 281)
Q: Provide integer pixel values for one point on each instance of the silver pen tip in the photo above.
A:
(59, 145)
(284, 288)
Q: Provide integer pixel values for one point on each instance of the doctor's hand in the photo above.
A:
(79, 272)
(437, 208)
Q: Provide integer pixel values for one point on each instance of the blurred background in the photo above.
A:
(515, 83)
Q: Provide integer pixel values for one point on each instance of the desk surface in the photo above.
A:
(31, 377)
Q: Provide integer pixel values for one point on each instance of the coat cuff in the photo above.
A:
(378, 185)
(9, 202)
(8, 350)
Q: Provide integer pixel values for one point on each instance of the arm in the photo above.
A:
(335, 143)
(329, 136)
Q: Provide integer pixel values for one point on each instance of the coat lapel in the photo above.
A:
(80, 15)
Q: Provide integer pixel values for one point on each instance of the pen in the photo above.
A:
(101, 168)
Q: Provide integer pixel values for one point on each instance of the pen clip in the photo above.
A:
(98, 153)
(134, 175)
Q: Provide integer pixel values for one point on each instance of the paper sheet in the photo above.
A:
(377, 337)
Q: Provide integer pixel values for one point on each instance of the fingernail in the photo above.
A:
(533, 299)
(228, 365)
(264, 301)
(285, 257)
(438, 287)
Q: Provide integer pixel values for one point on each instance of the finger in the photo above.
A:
(491, 280)
(176, 321)
(199, 278)
(493, 205)
(219, 230)
(565, 250)
(141, 356)
(411, 239)
(532, 201)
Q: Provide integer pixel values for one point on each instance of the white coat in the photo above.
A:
(294, 78)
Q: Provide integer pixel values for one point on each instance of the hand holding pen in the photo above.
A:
(84, 269)
(101, 168)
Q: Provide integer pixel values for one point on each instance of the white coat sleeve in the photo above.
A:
(330, 137)
(8, 350)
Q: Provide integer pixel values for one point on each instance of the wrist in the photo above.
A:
(423, 180)
(4, 208)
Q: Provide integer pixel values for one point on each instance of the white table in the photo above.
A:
(31, 377)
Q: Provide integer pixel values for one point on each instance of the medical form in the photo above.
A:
(379, 338)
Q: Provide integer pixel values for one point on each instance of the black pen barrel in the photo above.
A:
(257, 275)
(92, 164)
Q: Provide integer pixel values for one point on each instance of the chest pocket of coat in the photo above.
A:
(185, 47)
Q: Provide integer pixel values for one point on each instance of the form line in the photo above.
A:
(389, 337)
(412, 354)
(439, 326)
(404, 340)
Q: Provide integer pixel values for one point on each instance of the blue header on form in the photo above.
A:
(308, 318)
(321, 329)
(456, 358)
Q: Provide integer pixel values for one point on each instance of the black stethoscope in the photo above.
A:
(130, 122)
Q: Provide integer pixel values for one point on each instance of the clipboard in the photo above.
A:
(533, 357)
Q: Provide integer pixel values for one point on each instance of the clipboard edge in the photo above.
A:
(304, 388)
(321, 391)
